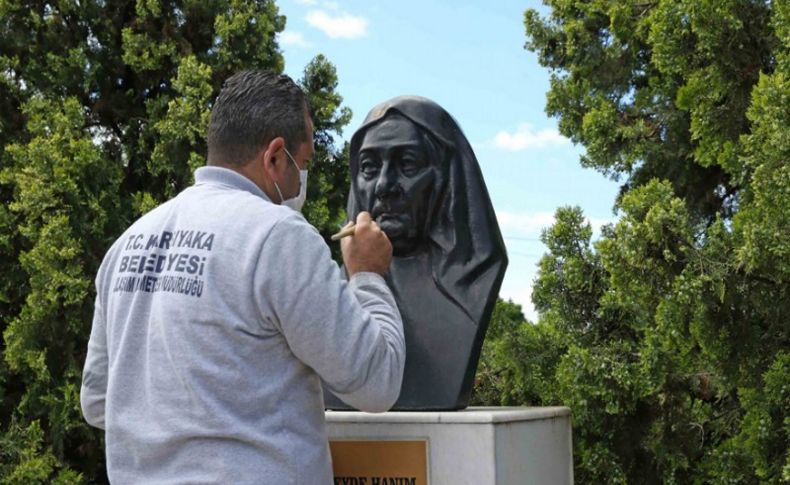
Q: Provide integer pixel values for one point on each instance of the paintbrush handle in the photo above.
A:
(348, 231)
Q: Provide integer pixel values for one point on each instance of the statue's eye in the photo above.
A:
(368, 167)
(409, 165)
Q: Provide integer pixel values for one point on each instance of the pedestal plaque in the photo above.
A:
(488, 446)
(380, 462)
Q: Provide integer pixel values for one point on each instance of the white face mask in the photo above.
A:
(297, 202)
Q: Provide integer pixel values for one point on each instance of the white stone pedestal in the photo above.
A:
(481, 446)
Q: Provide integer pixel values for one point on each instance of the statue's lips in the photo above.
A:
(392, 223)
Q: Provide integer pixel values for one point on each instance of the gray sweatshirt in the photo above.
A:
(217, 315)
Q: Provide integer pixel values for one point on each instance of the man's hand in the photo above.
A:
(368, 249)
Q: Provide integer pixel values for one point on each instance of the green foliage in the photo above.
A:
(668, 336)
(657, 89)
(25, 459)
(327, 186)
(514, 357)
(104, 109)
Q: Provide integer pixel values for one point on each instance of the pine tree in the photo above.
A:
(669, 336)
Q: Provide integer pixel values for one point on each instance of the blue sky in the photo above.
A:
(469, 57)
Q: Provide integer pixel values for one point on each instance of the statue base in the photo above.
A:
(484, 445)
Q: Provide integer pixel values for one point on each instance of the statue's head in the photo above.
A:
(413, 169)
(398, 171)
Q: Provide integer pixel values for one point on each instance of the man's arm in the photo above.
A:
(377, 387)
(350, 333)
(94, 375)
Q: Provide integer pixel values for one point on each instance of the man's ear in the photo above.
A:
(270, 164)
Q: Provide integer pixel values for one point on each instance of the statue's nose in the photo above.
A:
(387, 184)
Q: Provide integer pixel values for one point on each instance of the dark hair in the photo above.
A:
(253, 108)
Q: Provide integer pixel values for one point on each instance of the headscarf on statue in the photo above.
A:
(468, 255)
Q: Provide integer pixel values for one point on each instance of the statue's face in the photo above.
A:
(395, 179)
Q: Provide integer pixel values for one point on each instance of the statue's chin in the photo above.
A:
(404, 241)
(404, 246)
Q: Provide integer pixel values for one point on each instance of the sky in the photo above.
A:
(469, 57)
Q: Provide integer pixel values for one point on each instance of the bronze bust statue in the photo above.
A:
(414, 171)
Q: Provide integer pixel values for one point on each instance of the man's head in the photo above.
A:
(258, 119)
(399, 168)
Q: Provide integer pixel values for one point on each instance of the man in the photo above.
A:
(219, 312)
